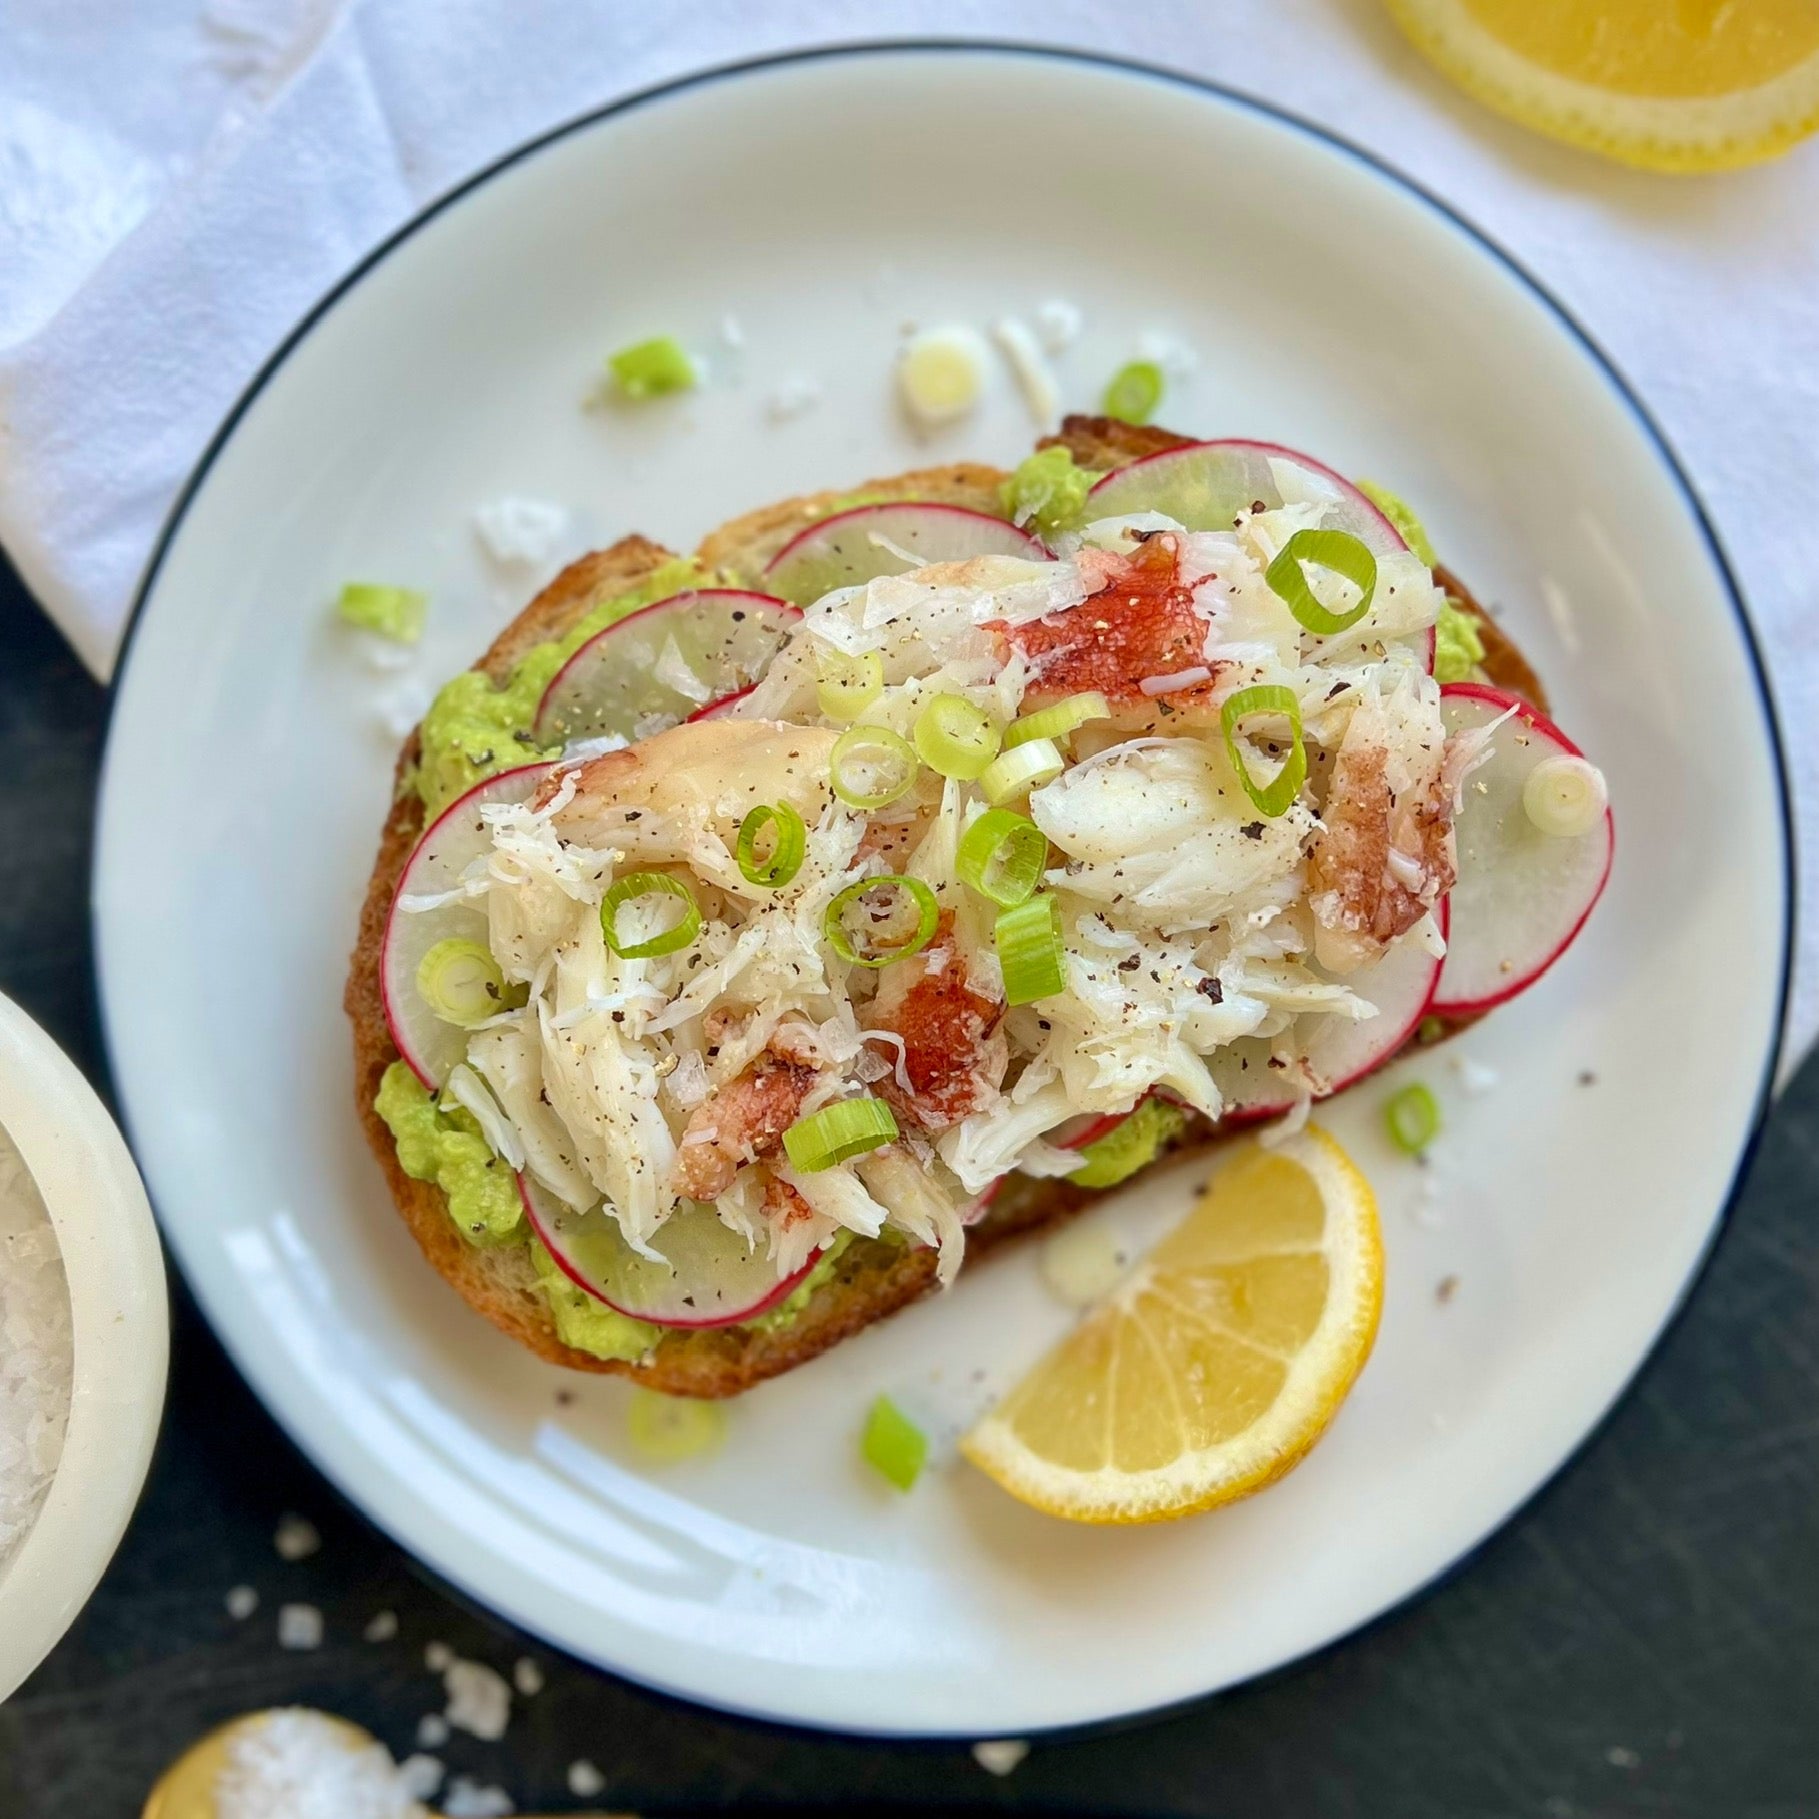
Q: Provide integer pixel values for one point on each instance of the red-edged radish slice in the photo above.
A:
(712, 1277)
(450, 844)
(1522, 894)
(872, 540)
(656, 667)
(1339, 1050)
(1206, 485)
(725, 705)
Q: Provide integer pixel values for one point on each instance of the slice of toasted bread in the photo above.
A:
(873, 1278)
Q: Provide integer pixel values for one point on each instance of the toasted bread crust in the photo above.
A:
(874, 1278)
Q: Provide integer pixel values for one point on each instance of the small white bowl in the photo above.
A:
(121, 1320)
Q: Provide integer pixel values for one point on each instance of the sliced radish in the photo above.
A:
(657, 666)
(1075, 1134)
(872, 540)
(1341, 1050)
(725, 705)
(451, 843)
(1206, 485)
(1522, 894)
(712, 1277)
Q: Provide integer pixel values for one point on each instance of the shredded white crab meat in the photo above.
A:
(1200, 958)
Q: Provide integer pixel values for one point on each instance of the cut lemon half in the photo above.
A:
(1671, 85)
(1218, 1363)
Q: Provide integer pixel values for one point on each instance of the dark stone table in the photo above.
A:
(1644, 1639)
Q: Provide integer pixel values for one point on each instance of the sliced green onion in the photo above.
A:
(396, 613)
(650, 884)
(1023, 768)
(956, 738)
(648, 369)
(1002, 856)
(871, 767)
(833, 924)
(789, 841)
(1030, 954)
(1413, 1117)
(1057, 721)
(839, 1132)
(1134, 392)
(671, 1428)
(1340, 551)
(1275, 796)
(461, 982)
(847, 683)
(893, 1444)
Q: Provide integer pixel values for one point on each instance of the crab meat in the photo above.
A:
(743, 1121)
(1137, 638)
(1384, 855)
(954, 1053)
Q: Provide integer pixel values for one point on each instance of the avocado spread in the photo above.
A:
(1130, 1146)
(1047, 490)
(1458, 649)
(446, 1147)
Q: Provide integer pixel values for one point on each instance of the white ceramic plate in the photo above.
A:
(823, 202)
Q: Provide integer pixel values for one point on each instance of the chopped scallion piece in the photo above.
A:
(396, 613)
(649, 884)
(847, 684)
(671, 1428)
(955, 738)
(1339, 551)
(884, 902)
(648, 369)
(1059, 720)
(1030, 952)
(789, 841)
(1134, 392)
(461, 982)
(893, 1445)
(1023, 768)
(1413, 1117)
(1275, 796)
(871, 767)
(1002, 856)
(839, 1132)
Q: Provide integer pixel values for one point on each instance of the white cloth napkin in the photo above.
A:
(181, 179)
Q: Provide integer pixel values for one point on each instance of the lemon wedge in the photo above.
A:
(1671, 85)
(1218, 1363)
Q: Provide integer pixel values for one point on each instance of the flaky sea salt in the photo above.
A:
(241, 1602)
(479, 1701)
(37, 1355)
(527, 1677)
(297, 1765)
(998, 1756)
(585, 1781)
(299, 1626)
(432, 1731)
(296, 1538)
(382, 1626)
(467, 1799)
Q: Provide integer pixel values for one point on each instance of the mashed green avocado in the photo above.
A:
(1129, 1146)
(1458, 649)
(1047, 490)
(473, 729)
(1396, 509)
(448, 1149)
(586, 1324)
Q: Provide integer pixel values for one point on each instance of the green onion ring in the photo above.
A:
(1030, 951)
(1002, 856)
(833, 924)
(955, 738)
(1058, 720)
(874, 754)
(789, 844)
(1340, 551)
(650, 884)
(1275, 797)
(838, 1133)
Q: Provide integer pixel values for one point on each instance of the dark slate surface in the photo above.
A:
(1643, 1640)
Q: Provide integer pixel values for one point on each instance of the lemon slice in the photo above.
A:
(1696, 85)
(1218, 1363)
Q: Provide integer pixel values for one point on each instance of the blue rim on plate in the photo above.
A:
(1595, 357)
